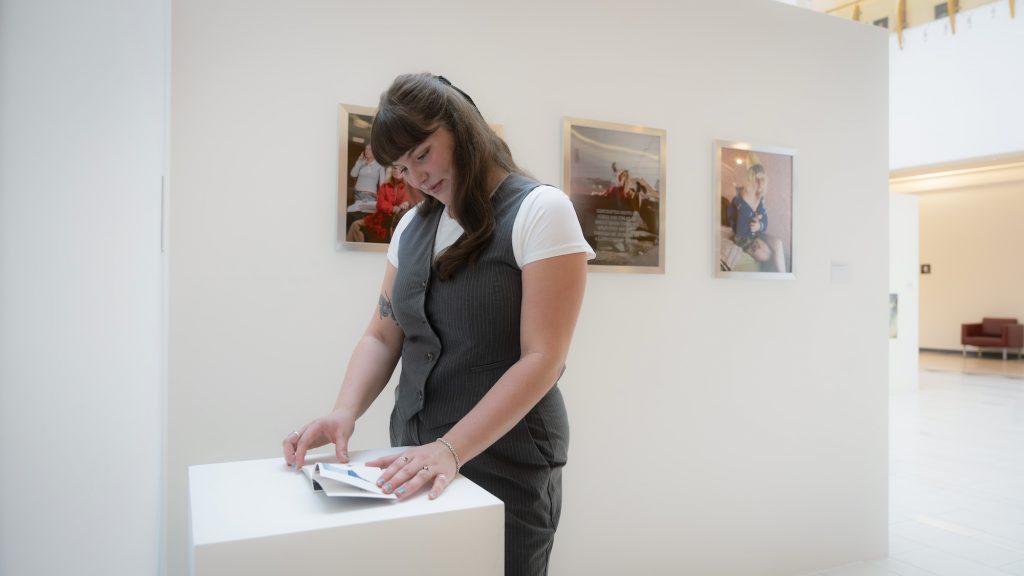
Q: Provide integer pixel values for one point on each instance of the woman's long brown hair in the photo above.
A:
(412, 109)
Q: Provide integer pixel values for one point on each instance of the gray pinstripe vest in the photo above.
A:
(462, 334)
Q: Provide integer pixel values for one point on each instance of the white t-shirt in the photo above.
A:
(545, 227)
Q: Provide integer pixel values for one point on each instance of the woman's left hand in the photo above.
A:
(405, 474)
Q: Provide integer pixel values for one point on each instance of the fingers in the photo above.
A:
(302, 440)
(288, 446)
(394, 474)
(407, 480)
(440, 483)
(341, 447)
(288, 449)
(414, 469)
(302, 444)
(382, 462)
(335, 428)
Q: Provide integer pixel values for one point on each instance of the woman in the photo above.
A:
(618, 189)
(748, 219)
(368, 174)
(483, 286)
(393, 198)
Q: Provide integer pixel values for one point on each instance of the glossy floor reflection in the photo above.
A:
(956, 478)
(991, 363)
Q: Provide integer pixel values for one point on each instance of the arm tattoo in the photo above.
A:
(384, 307)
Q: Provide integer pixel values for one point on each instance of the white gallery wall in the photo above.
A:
(904, 241)
(957, 96)
(83, 97)
(747, 415)
(967, 237)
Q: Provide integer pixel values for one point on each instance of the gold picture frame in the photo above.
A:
(354, 123)
(354, 206)
(614, 175)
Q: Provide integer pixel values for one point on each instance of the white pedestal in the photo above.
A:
(259, 517)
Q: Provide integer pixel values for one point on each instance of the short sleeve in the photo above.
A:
(546, 226)
(397, 235)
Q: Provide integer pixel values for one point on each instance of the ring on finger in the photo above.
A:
(426, 469)
(405, 459)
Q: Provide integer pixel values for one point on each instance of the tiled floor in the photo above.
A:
(992, 363)
(956, 488)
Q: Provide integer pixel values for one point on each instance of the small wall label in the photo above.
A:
(841, 273)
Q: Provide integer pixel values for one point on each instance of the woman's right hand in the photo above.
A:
(336, 428)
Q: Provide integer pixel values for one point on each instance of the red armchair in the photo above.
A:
(1002, 333)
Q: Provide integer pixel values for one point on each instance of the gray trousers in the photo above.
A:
(524, 470)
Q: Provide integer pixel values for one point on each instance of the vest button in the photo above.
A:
(423, 284)
(430, 356)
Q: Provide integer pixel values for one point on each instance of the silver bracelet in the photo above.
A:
(458, 464)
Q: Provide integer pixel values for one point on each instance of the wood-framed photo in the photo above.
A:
(371, 198)
(753, 210)
(615, 176)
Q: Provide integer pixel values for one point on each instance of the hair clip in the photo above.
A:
(448, 82)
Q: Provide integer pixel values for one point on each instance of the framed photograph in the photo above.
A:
(753, 211)
(371, 198)
(615, 176)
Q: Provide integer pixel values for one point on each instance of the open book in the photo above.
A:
(355, 480)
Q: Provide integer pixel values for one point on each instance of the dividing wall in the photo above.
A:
(83, 144)
(904, 233)
(719, 426)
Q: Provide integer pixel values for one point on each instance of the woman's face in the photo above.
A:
(758, 183)
(428, 166)
(396, 173)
